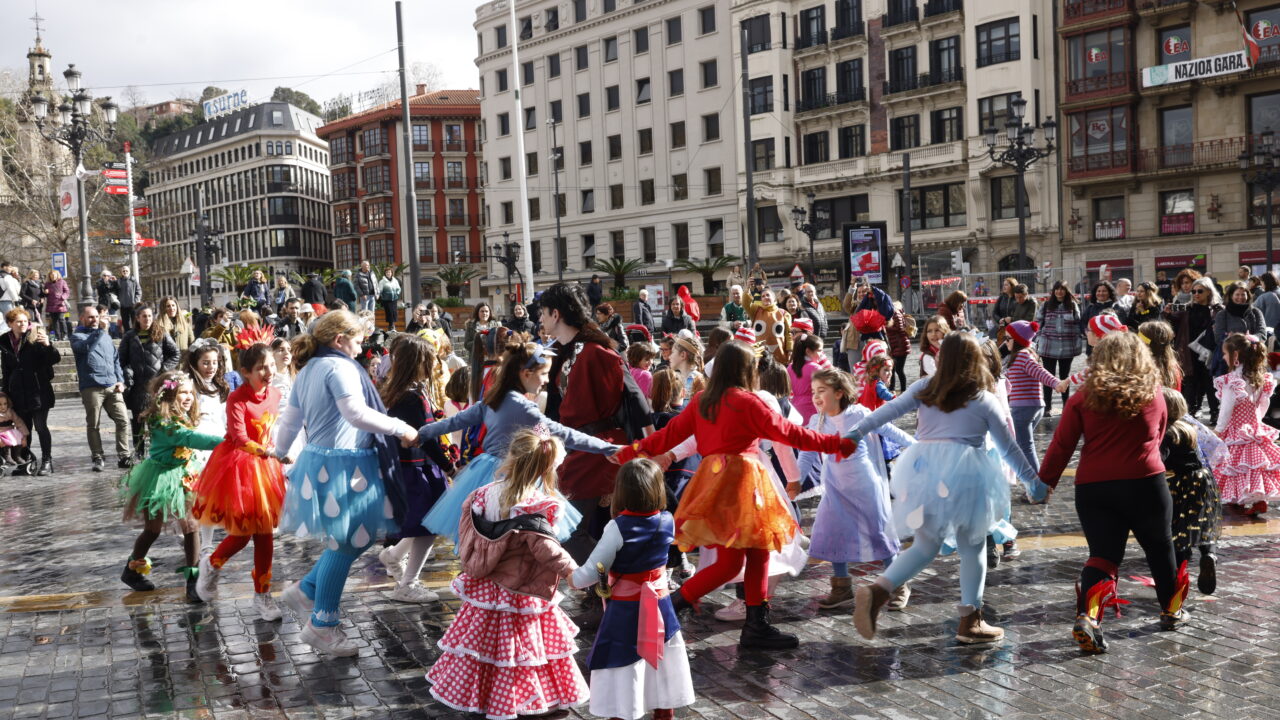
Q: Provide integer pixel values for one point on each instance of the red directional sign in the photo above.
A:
(116, 189)
(120, 174)
(141, 211)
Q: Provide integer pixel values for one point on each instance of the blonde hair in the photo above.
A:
(53, 276)
(170, 325)
(1178, 430)
(1159, 340)
(1122, 378)
(326, 330)
(532, 458)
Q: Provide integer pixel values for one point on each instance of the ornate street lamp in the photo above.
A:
(1265, 164)
(1020, 153)
(810, 222)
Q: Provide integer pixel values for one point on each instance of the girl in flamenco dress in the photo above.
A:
(509, 650)
(1247, 466)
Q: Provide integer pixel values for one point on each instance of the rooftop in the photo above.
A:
(247, 121)
(423, 102)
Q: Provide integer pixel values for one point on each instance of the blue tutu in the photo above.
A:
(445, 515)
(949, 490)
(337, 494)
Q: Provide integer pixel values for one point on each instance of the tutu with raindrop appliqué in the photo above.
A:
(337, 494)
(948, 490)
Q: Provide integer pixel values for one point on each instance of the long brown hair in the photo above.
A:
(941, 322)
(1178, 430)
(800, 348)
(665, 389)
(412, 364)
(735, 368)
(961, 376)
(516, 357)
(1159, 340)
(191, 359)
(1122, 378)
(1251, 356)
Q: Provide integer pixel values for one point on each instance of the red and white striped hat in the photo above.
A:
(802, 323)
(874, 348)
(745, 334)
(1103, 324)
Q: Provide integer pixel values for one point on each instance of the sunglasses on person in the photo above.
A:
(1200, 291)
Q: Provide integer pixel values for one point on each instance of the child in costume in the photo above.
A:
(946, 487)
(638, 662)
(1197, 511)
(1248, 466)
(853, 523)
(203, 364)
(282, 381)
(1026, 377)
(504, 410)
(771, 325)
(157, 491)
(640, 357)
(930, 340)
(686, 360)
(242, 486)
(13, 432)
(806, 359)
(509, 650)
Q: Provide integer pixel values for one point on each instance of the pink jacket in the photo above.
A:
(56, 294)
(524, 562)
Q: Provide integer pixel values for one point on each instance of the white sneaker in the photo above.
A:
(266, 607)
(298, 602)
(733, 612)
(413, 593)
(207, 580)
(395, 568)
(329, 640)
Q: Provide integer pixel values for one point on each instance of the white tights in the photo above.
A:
(418, 549)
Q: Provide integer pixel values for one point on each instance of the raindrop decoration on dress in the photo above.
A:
(331, 507)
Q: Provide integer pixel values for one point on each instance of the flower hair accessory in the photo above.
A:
(542, 431)
(1253, 339)
(171, 384)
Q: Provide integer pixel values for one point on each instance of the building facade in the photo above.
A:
(840, 90)
(368, 199)
(151, 115)
(1152, 181)
(629, 108)
(264, 176)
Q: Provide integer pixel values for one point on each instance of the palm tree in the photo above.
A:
(455, 276)
(707, 269)
(619, 268)
(328, 276)
(235, 277)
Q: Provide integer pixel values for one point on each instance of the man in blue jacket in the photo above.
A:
(101, 384)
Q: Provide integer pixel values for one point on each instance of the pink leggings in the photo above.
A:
(728, 562)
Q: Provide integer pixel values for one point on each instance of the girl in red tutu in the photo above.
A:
(242, 487)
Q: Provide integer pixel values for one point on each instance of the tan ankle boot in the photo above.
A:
(898, 599)
(973, 629)
(867, 603)
(841, 594)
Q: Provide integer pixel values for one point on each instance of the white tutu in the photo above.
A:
(949, 490)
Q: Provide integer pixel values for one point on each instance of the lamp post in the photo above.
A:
(75, 133)
(817, 222)
(1265, 164)
(556, 154)
(1021, 153)
(507, 254)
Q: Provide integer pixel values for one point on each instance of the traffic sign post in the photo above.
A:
(133, 224)
(60, 263)
(116, 189)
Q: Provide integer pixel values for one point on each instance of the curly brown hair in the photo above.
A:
(1122, 379)
(1250, 355)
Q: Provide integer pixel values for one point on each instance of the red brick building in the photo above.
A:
(368, 203)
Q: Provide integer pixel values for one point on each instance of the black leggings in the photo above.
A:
(1108, 512)
(899, 374)
(1062, 372)
(38, 422)
(1197, 384)
(391, 312)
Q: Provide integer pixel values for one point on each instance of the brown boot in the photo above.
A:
(898, 600)
(841, 594)
(974, 630)
(868, 601)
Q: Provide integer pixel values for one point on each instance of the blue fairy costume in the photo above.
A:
(638, 662)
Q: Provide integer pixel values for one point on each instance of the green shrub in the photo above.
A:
(450, 302)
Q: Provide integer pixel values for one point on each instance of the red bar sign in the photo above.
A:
(118, 174)
(116, 189)
(141, 211)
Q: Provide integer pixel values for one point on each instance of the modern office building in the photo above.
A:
(368, 197)
(264, 175)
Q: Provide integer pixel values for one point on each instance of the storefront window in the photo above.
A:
(1175, 44)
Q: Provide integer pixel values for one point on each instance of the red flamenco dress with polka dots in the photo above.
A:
(1247, 464)
(510, 649)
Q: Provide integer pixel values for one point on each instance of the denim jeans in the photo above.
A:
(1025, 420)
(366, 302)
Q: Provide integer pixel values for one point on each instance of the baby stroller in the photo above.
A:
(638, 333)
(18, 460)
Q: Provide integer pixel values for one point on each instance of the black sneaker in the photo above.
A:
(136, 580)
(994, 550)
(1207, 580)
(98, 464)
(192, 595)
(1171, 621)
(46, 467)
(125, 463)
(1088, 635)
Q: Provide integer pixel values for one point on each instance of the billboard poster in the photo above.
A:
(864, 251)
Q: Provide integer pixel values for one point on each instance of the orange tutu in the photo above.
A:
(240, 491)
(730, 501)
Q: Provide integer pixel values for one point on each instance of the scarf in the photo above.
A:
(1237, 309)
(386, 445)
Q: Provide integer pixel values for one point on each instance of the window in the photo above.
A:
(422, 172)
(530, 118)
(1257, 199)
(531, 164)
(640, 40)
(421, 135)
(995, 111)
(849, 85)
(812, 26)
(647, 196)
(715, 238)
(535, 209)
(453, 173)
(1177, 212)
(555, 111)
(584, 153)
(1004, 193)
(588, 249)
(562, 205)
(757, 33)
(769, 223)
(508, 213)
(551, 19)
(680, 186)
(902, 69)
(1175, 44)
(1100, 138)
(642, 91)
(424, 211)
(557, 157)
(617, 244)
(615, 197)
(609, 5)
(553, 66)
(677, 134)
(711, 181)
(944, 59)
(588, 201)
(1108, 218)
(1097, 60)
(998, 42)
(500, 36)
(562, 251)
(377, 215)
(579, 11)
(340, 151)
(852, 141)
(947, 125)
(277, 119)
(504, 124)
(535, 254)
(675, 83)
(673, 30)
(644, 139)
(610, 49)
(346, 220)
(526, 73)
(761, 95)
(815, 147)
(710, 74)
(710, 127)
(813, 88)
(1264, 113)
(707, 20)
(612, 98)
(584, 105)
(648, 244)
(580, 60)
(936, 206)
(615, 147)
(374, 141)
(1262, 24)
(377, 179)
(504, 168)
(501, 78)
(1176, 136)
(680, 238)
(762, 154)
(904, 132)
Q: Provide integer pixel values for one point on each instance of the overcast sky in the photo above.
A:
(171, 47)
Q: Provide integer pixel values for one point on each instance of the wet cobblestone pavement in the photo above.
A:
(75, 643)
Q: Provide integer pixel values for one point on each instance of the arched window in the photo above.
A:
(270, 149)
(288, 147)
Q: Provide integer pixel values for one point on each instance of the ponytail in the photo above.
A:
(1252, 357)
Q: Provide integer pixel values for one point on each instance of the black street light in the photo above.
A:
(508, 253)
(75, 133)
(557, 154)
(817, 222)
(1265, 164)
(1021, 153)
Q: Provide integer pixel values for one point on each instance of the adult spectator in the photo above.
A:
(791, 304)
(899, 348)
(1243, 273)
(586, 398)
(1268, 302)
(676, 319)
(813, 307)
(519, 320)
(345, 290)
(1024, 307)
(56, 295)
(420, 319)
(10, 288)
(1183, 285)
(32, 294)
(733, 310)
(101, 383)
(105, 289)
(145, 352)
(1146, 305)
(130, 294)
(952, 310)
(610, 324)
(366, 286)
(595, 291)
(1060, 340)
(1005, 302)
(1239, 316)
(1164, 286)
(1102, 298)
(642, 313)
(389, 297)
(289, 325)
(255, 291)
(113, 324)
(1190, 321)
(219, 327)
(481, 320)
(282, 293)
(26, 364)
(1124, 299)
(174, 323)
(314, 294)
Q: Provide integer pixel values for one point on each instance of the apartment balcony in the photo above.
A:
(1108, 229)
(811, 40)
(452, 146)
(1206, 155)
(340, 159)
(1076, 13)
(924, 81)
(1100, 165)
(346, 197)
(1100, 86)
(282, 187)
(1156, 10)
(462, 220)
(426, 147)
(853, 31)
(942, 10)
(459, 183)
(376, 152)
(278, 251)
(831, 100)
(341, 233)
(1178, 224)
(863, 169)
(378, 191)
(899, 20)
(426, 221)
(424, 183)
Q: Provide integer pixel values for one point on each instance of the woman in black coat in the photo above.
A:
(26, 364)
(676, 319)
(145, 352)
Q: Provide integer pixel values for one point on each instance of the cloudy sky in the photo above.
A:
(168, 48)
